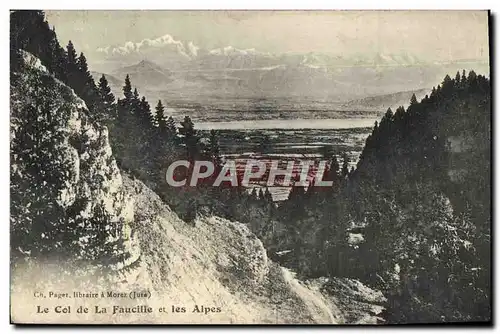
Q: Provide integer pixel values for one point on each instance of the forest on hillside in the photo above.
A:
(413, 219)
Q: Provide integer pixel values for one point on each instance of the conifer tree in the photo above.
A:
(253, 194)
(457, 79)
(146, 115)
(160, 117)
(72, 57)
(261, 195)
(72, 66)
(389, 114)
(345, 165)
(190, 138)
(136, 105)
(447, 82)
(335, 167)
(127, 90)
(413, 99)
(83, 66)
(269, 196)
(86, 85)
(399, 115)
(107, 99)
(57, 58)
(472, 77)
(214, 150)
(171, 128)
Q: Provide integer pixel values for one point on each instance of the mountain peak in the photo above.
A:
(148, 64)
(142, 66)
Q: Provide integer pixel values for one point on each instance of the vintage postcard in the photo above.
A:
(250, 167)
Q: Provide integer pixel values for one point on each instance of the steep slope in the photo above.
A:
(66, 185)
(222, 264)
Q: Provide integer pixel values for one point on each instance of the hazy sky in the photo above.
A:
(428, 35)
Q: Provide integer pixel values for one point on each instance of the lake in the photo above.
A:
(342, 123)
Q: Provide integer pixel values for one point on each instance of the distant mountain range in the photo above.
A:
(165, 68)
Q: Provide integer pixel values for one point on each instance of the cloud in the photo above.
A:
(188, 50)
(145, 44)
(230, 50)
(103, 50)
(193, 49)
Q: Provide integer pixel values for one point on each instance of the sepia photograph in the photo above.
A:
(257, 167)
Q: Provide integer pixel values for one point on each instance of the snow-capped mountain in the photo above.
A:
(179, 67)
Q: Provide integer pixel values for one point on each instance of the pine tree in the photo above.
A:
(187, 128)
(146, 115)
(171, 128)
(86, 85)
(261, 195)
(399, 115)
(447, 83)
(57, 58)
(345, 165)
(160, 117)
(213, 149)
(125, 105)
(72, 67)
(471, 78)
(127, 90)
(136, 105)
(389, 114)
(107, 99)
(269, 196)
(190, 138)
(72, 58)
(82, 65)
(413, 99)
(333, 174)
(335, 166)
(294, 205)
(457, 79)
(253, 194)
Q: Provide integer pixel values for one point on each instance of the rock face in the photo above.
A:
(64, 178)
(65, 182)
